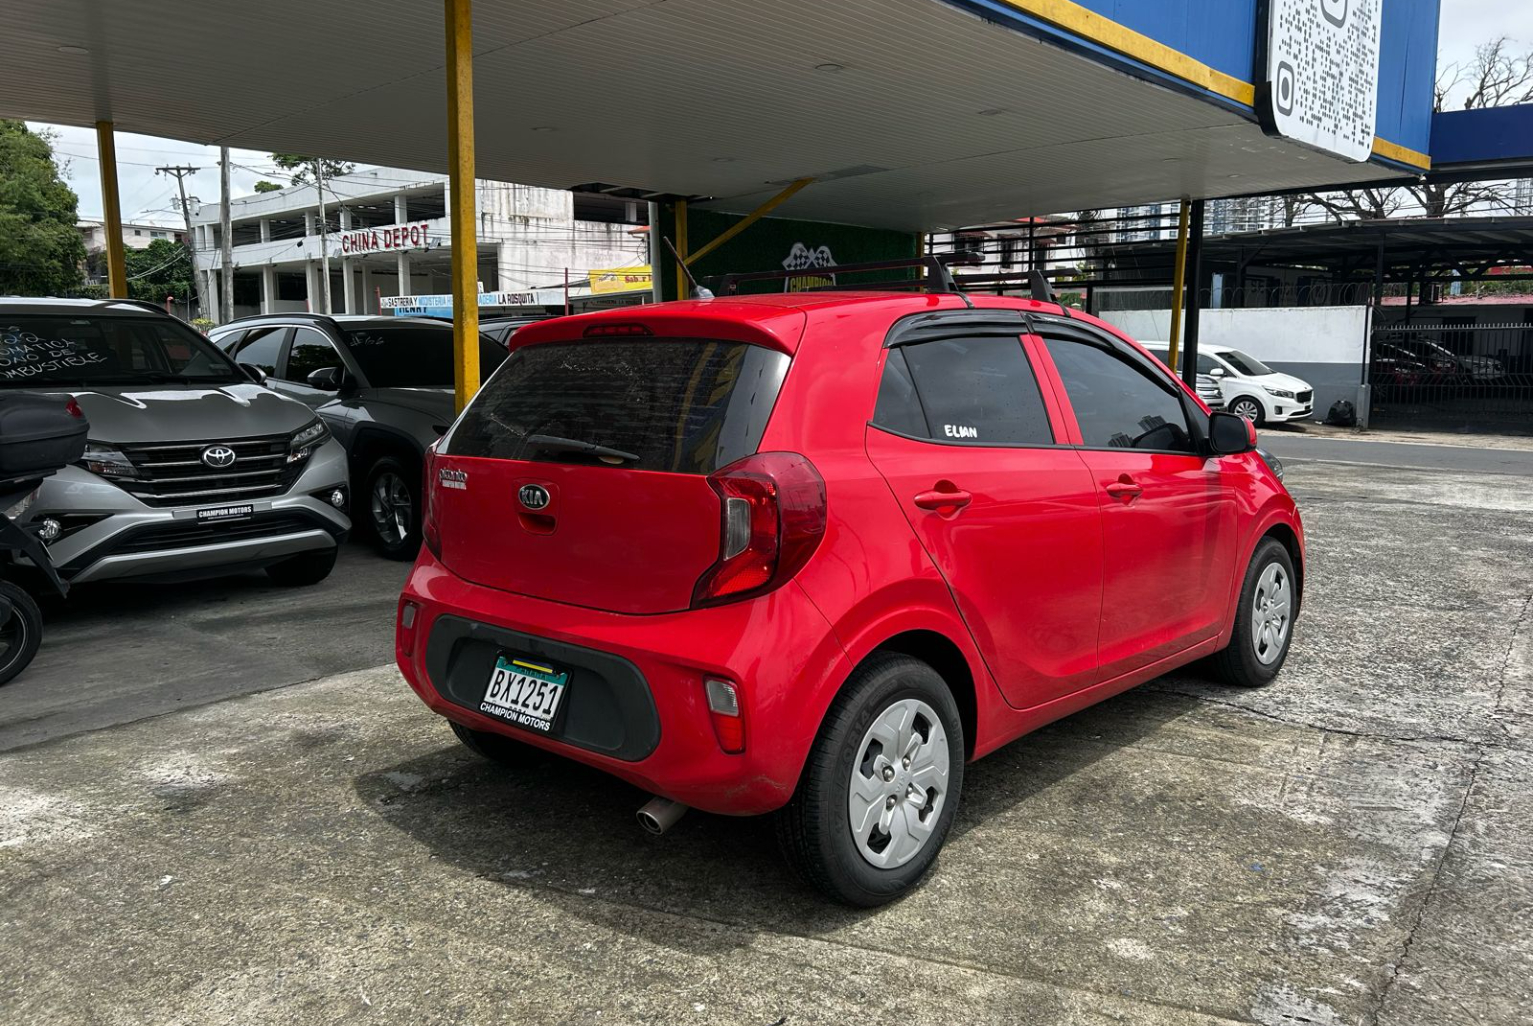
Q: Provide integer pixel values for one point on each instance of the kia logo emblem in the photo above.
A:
(218, 456)
(533, 496)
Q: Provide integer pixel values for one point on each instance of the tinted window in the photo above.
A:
(41, 351)
(310, 351)
(261, 348)
(899, 408)
(976, 390)
(1245, 363)
(227, 340)
(1117, 404)
(414, 356)
(1206, 363)
(681, 406)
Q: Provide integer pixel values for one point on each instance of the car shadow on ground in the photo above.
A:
(568, 832)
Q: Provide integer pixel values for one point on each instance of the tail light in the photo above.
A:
(773, 517)
(431, 535)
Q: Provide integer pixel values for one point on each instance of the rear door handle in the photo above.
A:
(943, 500)
(1124, 489)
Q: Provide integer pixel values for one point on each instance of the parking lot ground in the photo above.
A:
(119, 652)
(1351, 845)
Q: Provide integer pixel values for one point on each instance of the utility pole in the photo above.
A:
(226, 301)
(180, 174)
(324, 226)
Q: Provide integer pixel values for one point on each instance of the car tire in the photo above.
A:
(303, 570)
(22, 633)
(1249, 408)
(391, 508)
(497, 748)
(844, 771)
(1253, 657)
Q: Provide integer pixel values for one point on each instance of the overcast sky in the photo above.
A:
(146, 196)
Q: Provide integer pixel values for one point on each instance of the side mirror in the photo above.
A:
(1217, 372)
(327, 379)
(254, 373)
(1229, 435)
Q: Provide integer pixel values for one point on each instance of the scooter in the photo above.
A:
(39, 436)
(21, 621)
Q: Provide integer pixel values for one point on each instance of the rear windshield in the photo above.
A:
(414, 356)
(55, 351)
(677, 405)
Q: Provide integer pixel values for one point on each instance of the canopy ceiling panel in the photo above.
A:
(928, 117)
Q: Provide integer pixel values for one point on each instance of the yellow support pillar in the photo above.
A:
(111, 210)
(681, 250)
(1178, 290)
(460, 170)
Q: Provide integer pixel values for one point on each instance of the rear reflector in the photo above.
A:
(407, 613)
(724, 708)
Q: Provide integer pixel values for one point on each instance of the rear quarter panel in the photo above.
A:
(870, 577)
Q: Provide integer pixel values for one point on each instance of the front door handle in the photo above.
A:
(955, 499)
(1124, 488)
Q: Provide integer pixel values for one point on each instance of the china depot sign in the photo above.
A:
(1322, 75)
(390, 239)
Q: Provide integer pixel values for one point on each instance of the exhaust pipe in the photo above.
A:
(660, 814)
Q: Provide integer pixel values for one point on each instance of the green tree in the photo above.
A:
(163, 268)
(268, 187)
(301, 169)
(41, 251)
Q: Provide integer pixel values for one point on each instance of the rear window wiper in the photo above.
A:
(554, 443)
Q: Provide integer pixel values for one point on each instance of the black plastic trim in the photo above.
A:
(609, 708)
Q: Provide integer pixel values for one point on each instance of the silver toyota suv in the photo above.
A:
(192, 469)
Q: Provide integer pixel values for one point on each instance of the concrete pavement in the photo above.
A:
(1351, 845)
(119, 652)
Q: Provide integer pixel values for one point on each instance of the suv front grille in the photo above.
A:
(1305, 397)
(173, 474)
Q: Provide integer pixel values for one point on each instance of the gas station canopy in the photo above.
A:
(908, 114)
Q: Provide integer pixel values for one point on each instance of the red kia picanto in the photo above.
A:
(809, 554)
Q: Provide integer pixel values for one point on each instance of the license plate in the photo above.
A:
(524, 692)
(226, 512)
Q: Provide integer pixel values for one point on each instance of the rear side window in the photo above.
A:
(1117, 404)
(680, 405)
(979, 391)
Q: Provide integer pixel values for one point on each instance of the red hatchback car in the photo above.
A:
(811, 553)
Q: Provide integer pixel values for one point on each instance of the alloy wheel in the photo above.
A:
(392, 508)
(899, 783)
(1246, 408)
(1271, 613)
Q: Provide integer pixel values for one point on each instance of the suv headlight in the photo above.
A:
(305, 440)
(107, 461)
(1279, 392)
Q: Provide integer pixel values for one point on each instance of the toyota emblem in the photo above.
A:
(218, 456)
(533, 496)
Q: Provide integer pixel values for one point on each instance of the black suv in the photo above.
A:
(384, 385)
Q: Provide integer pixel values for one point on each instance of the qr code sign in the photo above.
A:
(1323, 73)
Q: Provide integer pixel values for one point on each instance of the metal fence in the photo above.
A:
(1462, 373)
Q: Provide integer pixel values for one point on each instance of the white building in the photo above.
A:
(389, 236)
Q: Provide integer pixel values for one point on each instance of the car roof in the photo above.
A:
(378, 320)
(776, 320)
(94, 307)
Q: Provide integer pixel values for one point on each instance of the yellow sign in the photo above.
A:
(621, 279)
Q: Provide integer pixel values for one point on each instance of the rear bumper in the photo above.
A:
(654, 729)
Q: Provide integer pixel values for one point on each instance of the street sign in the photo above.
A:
(1322, 74)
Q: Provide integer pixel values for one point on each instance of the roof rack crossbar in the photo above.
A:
(938, 277)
